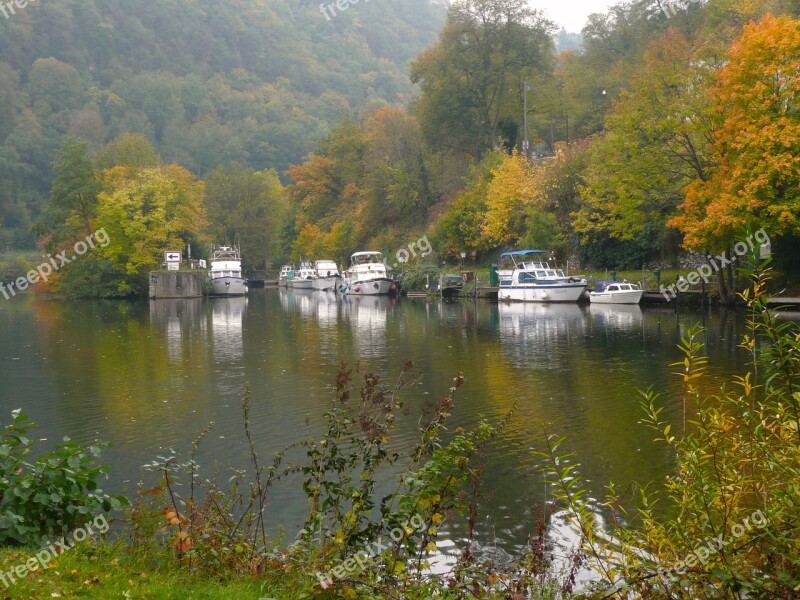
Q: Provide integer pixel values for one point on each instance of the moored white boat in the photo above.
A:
(283, 278)
(534, 280)
(328, 276)
(303, 278)
(613, 292)
(367, 276)
(226, 272)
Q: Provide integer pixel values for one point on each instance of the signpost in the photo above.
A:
(173, 260)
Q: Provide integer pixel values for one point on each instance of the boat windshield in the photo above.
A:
(365, 259)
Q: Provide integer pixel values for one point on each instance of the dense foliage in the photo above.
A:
(208, 83)
(634, 149)
(51, 496)
(725, 524)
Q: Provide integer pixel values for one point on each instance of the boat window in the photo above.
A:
(527, 277)
(540, 274)
(560, 273)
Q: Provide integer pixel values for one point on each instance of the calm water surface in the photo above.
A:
(147, 376)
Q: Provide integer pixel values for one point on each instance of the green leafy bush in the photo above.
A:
(417, 274)
(51, 496)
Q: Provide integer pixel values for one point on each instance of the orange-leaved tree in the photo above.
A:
(756, 181)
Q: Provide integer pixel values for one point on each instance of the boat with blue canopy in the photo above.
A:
(533, 279)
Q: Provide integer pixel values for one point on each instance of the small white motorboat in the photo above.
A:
(283, 278)
(303, 277)
(616, 292)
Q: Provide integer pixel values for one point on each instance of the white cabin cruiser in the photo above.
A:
(614, 292)
(534, 280)
(328, 276)
(303, 277)
(367, 276)
(226, 272)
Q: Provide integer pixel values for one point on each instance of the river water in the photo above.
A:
(150, 375)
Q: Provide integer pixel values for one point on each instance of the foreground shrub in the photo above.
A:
(356, 543)
(51, 496)
(732, 524)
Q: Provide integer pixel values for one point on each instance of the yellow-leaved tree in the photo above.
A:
(145, 212)
(509, 197)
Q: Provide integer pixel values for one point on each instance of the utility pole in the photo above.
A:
(526, 146)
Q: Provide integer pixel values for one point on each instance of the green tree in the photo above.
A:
(471, 79)
(73, 199)
(248, 206)
(656, 143)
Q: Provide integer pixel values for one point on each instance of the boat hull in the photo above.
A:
(620, 297)
(541, 293)
(370, 287)
(328, 283)
(301, 284)
(228, 286)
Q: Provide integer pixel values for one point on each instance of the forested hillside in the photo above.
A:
(208, 83)
(670, 127)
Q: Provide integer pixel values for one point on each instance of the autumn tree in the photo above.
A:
(509, 197)
(396, 180)
(656, 142)
(143, 213)
(755, 182)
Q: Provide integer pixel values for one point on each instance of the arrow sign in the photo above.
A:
(172, 256)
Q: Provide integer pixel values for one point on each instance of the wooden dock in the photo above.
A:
(791, 303)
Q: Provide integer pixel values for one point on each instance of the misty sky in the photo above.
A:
(572, 14)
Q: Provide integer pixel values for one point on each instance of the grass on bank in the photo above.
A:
(104, 570)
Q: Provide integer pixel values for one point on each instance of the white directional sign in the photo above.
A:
(172, 256)
(173, 266)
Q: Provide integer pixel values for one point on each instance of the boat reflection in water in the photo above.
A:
(368, 316)
(227, 316)
(537, 333)
(622, 317)
(327, 308)
(300, 301)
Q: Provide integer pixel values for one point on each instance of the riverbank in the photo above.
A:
(106, 570)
